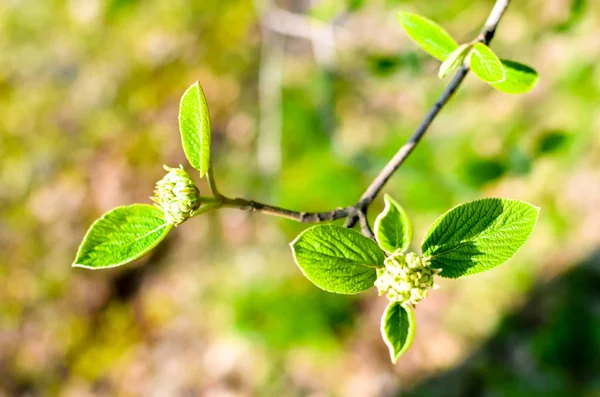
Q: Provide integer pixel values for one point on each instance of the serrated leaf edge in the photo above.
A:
(150, 248)
(291, 244)
(438, 220)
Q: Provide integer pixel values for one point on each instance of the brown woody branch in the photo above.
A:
(357, 211)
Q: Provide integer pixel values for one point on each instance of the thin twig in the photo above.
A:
(364, 224)
(358, 211)
(402, 154)
(490, 26)
(212, 184)
(486, 35)
(302, 217)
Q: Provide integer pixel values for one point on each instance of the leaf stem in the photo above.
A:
(212, 184)
(364, 224)
(205, 208)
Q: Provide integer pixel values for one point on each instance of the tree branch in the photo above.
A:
(402, 154)
(303, 217)
(358, 211)
(212, 184)
(486, 35)
(364, 224)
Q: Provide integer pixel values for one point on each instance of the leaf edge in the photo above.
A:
(536, 208)
(400, 16)
(411, 335)
(474, 50)
(293, 242)
(165, 233)
(389, 201)
(204, 164)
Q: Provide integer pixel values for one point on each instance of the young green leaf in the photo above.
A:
(337, 259)
(519, 78)
(477, 236)
(430, 36)
(194, 126)
(393, 228)
(454, 60)
(486, 65)
(398, 328)
(122, 235)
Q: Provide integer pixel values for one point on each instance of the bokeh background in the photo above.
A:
(309, 99)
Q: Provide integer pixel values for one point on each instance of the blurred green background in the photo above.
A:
(309, 99)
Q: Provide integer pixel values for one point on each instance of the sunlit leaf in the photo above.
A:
(393, 228)
(337, 259)
(430, 36)
(486, 65)
(454, 60)
(478, 236)
(398, 328)
(194, 126)
(519, 78)
(122, 235)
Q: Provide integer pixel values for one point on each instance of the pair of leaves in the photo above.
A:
(482, 60)
(468, 239)
(344, 261)
(506, 76)
(129, 232)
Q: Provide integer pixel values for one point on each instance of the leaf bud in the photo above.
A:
(176, 195)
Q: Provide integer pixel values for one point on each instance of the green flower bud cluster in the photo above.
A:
(176, 195)
(406, 278)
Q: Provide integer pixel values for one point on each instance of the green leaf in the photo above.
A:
(477, 236)
(393, 228)
(194, 126)
(430, 36)
(519, 78)
(337, 259)
(398, 328)
(454, 60)
(122, 235)
(486, 65)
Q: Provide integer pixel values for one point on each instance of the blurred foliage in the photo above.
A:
(89, 91)
(270, 313)
(533, 352)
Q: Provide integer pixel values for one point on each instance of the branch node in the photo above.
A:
(358, 211)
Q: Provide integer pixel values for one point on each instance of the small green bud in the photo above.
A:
(406, 278)
(176, 195)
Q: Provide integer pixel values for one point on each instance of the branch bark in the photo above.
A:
(357, 211)
(485, 36)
